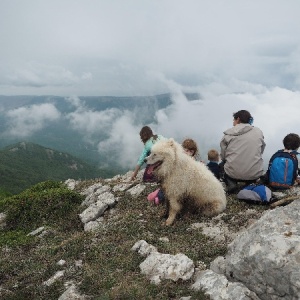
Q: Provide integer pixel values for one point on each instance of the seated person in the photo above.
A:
(214, 157)
(190, 148)
(242, 147)
(282, 171)
(148, 139)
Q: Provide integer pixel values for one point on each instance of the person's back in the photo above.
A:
(213, 164)
(242, 147)
(243, 155)
(283, 166)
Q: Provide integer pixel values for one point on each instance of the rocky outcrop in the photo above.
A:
(263, 259)
(266, 257)
(158, 266)
(263, 262)
(71, 293)
(219, 288)
(100, 197)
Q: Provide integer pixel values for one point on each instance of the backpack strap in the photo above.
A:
(293, 154)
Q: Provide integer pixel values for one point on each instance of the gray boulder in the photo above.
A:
(219, 288)
(266, 257)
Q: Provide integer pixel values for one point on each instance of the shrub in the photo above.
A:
(46, 203)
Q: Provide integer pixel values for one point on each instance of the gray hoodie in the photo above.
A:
(242, 147)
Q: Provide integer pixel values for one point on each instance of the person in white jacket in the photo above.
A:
(242, 147)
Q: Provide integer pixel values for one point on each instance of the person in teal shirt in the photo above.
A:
(149, 139)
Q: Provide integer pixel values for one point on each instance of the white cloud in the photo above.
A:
(39, 75)
(90, 122)
(275, 112)
(75, 101)
(87, 75)
(25, 121)
(124, 141)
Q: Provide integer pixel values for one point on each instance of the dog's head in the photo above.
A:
(155, 159)
(162, 157)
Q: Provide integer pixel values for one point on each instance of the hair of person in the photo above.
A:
(191, 145)
(146, 133)
(244, 116)
(291, 141)
(213, 155)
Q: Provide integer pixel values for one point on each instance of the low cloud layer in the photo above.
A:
(275, 112)
(25, 121)
(90, 122)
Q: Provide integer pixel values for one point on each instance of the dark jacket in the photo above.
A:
(214, 167)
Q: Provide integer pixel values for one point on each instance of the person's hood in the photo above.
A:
(238, 129)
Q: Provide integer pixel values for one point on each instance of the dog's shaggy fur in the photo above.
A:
(185, 181)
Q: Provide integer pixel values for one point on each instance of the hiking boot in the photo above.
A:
(231, 186)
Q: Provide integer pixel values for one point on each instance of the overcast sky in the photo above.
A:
(122, 47)
(235, 54)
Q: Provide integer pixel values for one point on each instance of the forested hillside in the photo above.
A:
(25, 164)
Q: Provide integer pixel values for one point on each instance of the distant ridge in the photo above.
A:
(24, 164)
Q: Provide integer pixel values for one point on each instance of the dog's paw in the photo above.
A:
(168, 223)
(165, 224)
(164, 215)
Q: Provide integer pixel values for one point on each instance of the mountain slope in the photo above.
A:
(25, 164)
(101, 263)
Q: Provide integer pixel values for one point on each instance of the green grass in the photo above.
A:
(110, 269)
(45, 203)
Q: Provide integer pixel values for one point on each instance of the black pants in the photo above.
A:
(228, 178)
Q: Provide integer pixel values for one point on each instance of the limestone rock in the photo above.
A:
(219, 288)
(158, 266)
(136, 190)
(266, 257)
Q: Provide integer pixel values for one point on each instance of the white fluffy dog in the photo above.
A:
(185, 181)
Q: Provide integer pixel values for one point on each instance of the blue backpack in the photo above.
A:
(255, 193)
(282, 170)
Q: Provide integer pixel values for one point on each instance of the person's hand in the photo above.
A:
(133, 176)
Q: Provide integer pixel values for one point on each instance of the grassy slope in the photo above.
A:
(22, 166)
(110, 270)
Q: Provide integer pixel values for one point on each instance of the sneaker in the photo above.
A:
(151, 197)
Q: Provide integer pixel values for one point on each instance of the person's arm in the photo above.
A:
(263, 146)
(223, 146)
(136, 170)
(141, 159)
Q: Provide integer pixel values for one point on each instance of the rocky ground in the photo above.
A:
(119, 247)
